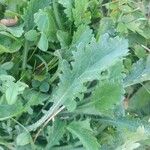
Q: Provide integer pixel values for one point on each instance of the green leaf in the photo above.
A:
(85, 135)
(68, 5)
(43, 42)
(8, 44)
(16, 31)
(23, 139)
(46, 24)
(101, 103)
(44, 87)
(82, 35)
(132, 139)
(7, 65)
(92, 59)
(140, 101)
(34, 98)
(140, 51)
(33, 7)
(81, 15)
(121, 27)
(55, 133)
(145, 32)
(42, 20)
(140, 72)
(126, 123)
(11, 93)
(31, 35)
(89, 62)
(106, 26)
(10, 88)
(63, 38)
(14, 110)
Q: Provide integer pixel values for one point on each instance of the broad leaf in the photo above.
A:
(92, 59)
(89, 62)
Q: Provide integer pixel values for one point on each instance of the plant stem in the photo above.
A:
(48, 114)
(25, 55)
(47, 121)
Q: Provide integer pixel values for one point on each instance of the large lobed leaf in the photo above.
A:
(89, 62)
(92, 59)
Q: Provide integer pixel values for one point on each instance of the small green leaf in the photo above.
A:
(43, 42)
(63, 38)
(101, 103)
(11, 94)
(31, 35)
(121, 27)
(23, 139)
(140, 101)
(16, 31)
(34, 98)
(44, 87)
(140, 72)
(10, 88)
(82, 35)
(7, 65)
(81, 14)
(35, 83)
(106, 26)
(8, 43)
(14, 110)
(55, 133)
(85, 135)
(46, 24)
(33, 7)
(68, 5)
(139, 51)
(42, 20)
